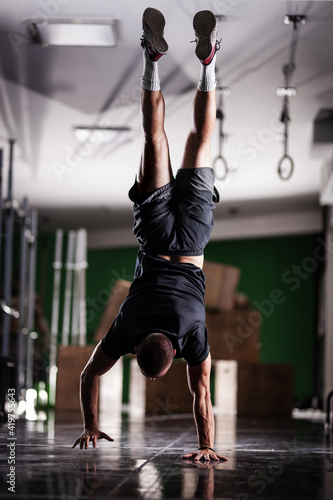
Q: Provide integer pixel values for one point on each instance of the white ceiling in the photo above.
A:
(45, 92)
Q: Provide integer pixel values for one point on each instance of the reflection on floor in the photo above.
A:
(268, 459)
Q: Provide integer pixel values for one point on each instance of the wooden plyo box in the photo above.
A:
(254, 389)
(161, 397)
(71, 361)
(221, 285)
(117, 297)
(234, 334)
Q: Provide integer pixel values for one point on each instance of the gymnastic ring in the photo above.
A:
(291, 162)
(225, 168)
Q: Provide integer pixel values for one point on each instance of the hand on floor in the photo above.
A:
(91, 435)
(206, 455)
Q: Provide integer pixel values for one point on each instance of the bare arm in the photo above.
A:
(98, 364)
(199, 384)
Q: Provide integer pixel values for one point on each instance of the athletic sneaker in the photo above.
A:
(204, 24)
(153, 23)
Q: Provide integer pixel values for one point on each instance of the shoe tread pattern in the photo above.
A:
(153, 27)
(204, 24)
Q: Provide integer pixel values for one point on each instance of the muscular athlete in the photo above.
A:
(164, 314)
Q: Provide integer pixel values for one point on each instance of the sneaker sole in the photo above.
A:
(204, 24)
(153, 23)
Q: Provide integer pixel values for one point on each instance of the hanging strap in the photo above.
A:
(220, 164)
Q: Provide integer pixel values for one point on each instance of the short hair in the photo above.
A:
(154, 355)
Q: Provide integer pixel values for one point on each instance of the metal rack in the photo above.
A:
(16, 369)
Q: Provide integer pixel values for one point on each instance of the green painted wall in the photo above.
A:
(279, 275)
(106, 266)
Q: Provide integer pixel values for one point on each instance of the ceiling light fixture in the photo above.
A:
(80, 33)
(104, 135)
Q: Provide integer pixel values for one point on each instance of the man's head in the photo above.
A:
(155, 355)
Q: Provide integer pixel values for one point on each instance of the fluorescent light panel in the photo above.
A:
(77, 34)
(104, 135)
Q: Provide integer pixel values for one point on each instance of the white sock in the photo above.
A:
(207, 80)
(150, 77)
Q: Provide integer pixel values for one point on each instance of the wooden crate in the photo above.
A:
(254, 389)
(117, 297)
(71, 361)
(234, 334)
(161, 397)
(221, 285)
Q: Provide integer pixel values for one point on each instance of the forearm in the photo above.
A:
(89, 399)
(204, 420)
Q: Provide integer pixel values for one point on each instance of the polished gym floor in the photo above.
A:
(267, 459)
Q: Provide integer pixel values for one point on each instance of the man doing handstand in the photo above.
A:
(164, 314)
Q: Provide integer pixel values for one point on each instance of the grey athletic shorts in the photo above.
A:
(176, 219)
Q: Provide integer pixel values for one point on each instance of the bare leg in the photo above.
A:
(155, 168)
(197, 148)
